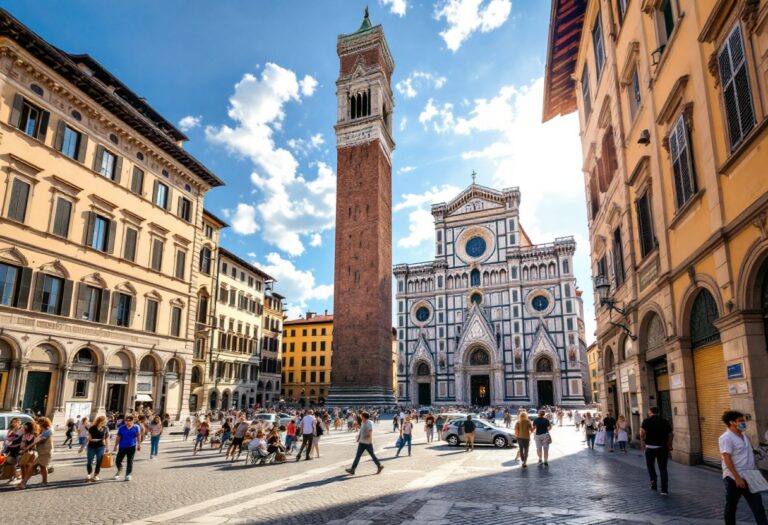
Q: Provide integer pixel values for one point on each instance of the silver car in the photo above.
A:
(485, 434)
(5, 420)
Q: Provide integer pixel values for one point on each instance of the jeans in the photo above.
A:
(362, 447)
(127, 453)
(430, 433)
(406, 438)
(609, 438)
(623, 445)
(288, 440)
(732, 496)
(306, 443)
(524, 444)
(660, 456)
(154, 445)
(97, 454)
(82, 441)
(591, 440)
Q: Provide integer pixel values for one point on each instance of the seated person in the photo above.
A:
(258, 443)
(273, 442)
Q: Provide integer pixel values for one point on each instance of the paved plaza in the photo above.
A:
(437, 485)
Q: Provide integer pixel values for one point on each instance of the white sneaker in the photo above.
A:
(95, 478)
(128, 477)
(117, 476)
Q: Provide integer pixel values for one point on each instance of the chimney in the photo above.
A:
(310, 315)
(326, 312)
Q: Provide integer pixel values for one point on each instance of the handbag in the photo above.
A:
(107, 460)
(28, 458)
(755, 481)
(399, 442)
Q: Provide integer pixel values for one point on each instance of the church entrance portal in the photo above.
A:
(481, 390)
(425, 394)
(546, 393)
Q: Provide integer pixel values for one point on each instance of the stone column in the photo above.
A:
(157, 394)
(16, 378)
(101, 391)
(130, 395)
(459, 388)
(59, 415)
(685, 414)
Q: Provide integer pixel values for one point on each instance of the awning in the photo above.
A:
(143, 397)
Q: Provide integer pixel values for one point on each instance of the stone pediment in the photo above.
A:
(477, 329)
(423, 352)
(474, 205)
(543, 344)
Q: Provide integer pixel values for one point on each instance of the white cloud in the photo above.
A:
(409, 86)
(244, 219)
(405, 169)
(396, 7)
(464, 17)
(308, 85)
(403, 123)
(189, 122)
(289, 204)
(441, 117)
(306, 146)
(420, 221)
(298, 286)
(316, 240)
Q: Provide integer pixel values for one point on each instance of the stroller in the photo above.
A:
(259, 457)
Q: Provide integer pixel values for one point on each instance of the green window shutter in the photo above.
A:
(82, 147)
(168, 199)
(37, 295)
(154, 191)
(22, 295)
(66, 298)
(98, 158)
(104, 306)
(18, 105)
(90, 225)
(132, 301)
(45, 116)
(181, 262)
(137, 181)
(118, 171)
(178, 206)
(17, 208)
(61, 219)
(80, 304)
(58, 141)
(111, 236)
(113, 310)
(129, 250)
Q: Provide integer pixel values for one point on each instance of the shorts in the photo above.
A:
(200, 438)
(237, 442)
(44, 460)
(542, 441)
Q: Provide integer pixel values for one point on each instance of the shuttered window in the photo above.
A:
(618, 258)
(645, 225)
(586, 97)
(122, 310)
(100, 233)
(137, 180)
(8, 275)
(29, 118)
(89, 303)
(108, 164)
(181, 263)
(61, 217)
(175, 321)
(157, 254)
(70, 142)
(17, 207)
(599, 47)
(205, 261)
(737, 95)
(161, 195)
(185, 209)
(129, 249)
(682, 164)
(150, 324)
(50, 290)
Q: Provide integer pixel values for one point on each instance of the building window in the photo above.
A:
(314, 346)
(185, 208)
(205, 260)
(202, 309)
(122, 310)
(100, 229)
(585, 95)
(157, 255)
(61, 217)
(703, 317)
(129, 249)
(29, 118)
(181, 263)
(737, 95)
(601, 266)
(208, 231)
(633, 93)
(50, 294)
(17, 207)
(7, 284)
(107, 164)
(682, 163)
(81, 388)
(175, 321)
(597, 42)
(618, 258)
(150, 322)
(89, 303)
(566, 266)
(70, 142)
(665, 22)
(622, 7)
(645, 224)
(161, 195)
(569, 323)
(137, 180)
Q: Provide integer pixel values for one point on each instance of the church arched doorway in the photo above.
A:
(480, 378)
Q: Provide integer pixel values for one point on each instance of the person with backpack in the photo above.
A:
(319, 431)
(469, 433)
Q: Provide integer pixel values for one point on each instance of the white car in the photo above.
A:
(5, 421)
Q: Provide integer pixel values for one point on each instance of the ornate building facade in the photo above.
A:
(493, 319)
(306, 358)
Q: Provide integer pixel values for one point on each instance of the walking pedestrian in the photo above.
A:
(739, 458)
(187, 428)
(290, 435)
(656, 440)
(622, 437)
(406, 434)
(429, 427)
(542, 437)
(469, 433)
(507, 418)
(43, 447)
(319, 431)
(226, 433)
(609, 423)
(365, 444)
(239, 436)
(71, 428)
(82, 432)
(127, 443)
(12, 450)
(439, 422)
(98, 441)
(308, 424)
(523, 429)
(155, 431)
(395, 423)
(590, 430)
(28, 454)
(202, 434)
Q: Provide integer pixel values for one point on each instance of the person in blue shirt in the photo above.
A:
(128, 442)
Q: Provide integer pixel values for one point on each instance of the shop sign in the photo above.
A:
(117, 376)
(735, 371)
(143, 387)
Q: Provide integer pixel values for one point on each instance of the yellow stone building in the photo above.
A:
(594, 383)
(101, 214)
(306, 360)
(671, 98)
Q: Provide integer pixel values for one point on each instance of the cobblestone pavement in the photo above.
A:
(437, 485)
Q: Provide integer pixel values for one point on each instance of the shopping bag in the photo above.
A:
(399, 442)
(755, 481)
(600, 438)
(107, 460)
(28, 458)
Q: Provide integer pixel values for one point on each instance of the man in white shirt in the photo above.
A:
(307, 425)
(365, 443)
(738, 457)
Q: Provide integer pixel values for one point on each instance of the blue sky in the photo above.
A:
(252, 82)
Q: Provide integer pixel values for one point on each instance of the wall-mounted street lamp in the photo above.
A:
(603, 287)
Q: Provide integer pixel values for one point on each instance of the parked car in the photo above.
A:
(5, 420)
(271, 419)
(485, 434)
(450, 416)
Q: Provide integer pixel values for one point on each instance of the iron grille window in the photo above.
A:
(703, 317)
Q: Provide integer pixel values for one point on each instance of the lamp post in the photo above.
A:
(603, 287)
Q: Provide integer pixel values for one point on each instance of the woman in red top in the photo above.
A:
(290, 435)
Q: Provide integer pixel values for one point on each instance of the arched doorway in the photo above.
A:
(424, 384)
(545, 388)
(712, 396)
(652, 341)
(611, 387)
(479, 364)
(40, 387)
(6, 356)
(213, 399)
(225, 400)
(118, 376)
(145, 382)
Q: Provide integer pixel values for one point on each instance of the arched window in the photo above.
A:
(352, 107)
(626, 350)
(566, 268)
(764, 301)
(479, 358)
(365, 104)
(703, 317)
(654, 334)
(544, 365)
(474, 277)
(422, 370)
(476, 298)
(196, 376)
(173, 366)
(147, 364)
(609, 362)
(84, 357)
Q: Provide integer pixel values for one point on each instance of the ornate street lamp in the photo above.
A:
(603, 287)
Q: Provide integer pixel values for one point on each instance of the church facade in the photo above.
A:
(494, 319)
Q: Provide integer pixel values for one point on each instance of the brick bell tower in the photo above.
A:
(362, 318)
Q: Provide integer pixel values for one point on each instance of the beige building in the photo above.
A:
(306, 359)
(100, 237)
(671, 97)
(268, 387)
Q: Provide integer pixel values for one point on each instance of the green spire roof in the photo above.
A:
(366, 25)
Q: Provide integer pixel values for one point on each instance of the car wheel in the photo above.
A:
(500, 441)
(453, 440)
